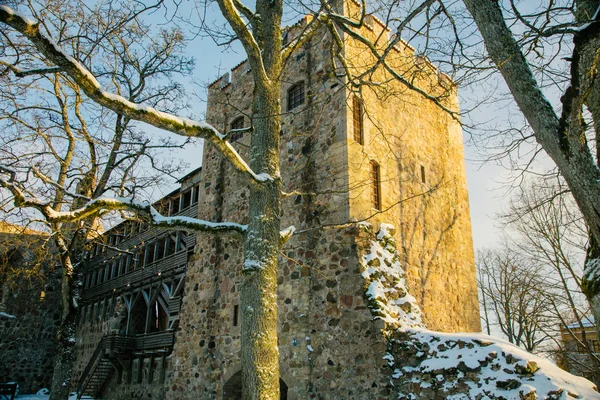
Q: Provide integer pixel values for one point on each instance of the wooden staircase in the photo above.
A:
(103, 364)
(98, 379)
(109, 353)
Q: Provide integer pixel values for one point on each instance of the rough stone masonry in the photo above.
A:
(330, 346)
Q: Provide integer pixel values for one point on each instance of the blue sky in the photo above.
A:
(487, 181)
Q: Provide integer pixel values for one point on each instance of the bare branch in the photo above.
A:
(144, 113)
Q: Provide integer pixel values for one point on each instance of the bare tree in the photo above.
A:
(551, 233)
(259, 31)
(61, 151)
(516, 293)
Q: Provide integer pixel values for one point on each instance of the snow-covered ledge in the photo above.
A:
(426, 364)
(386, 290)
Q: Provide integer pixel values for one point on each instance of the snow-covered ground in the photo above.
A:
(463, 365)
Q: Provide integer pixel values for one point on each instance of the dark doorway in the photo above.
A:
(233, 388)
(139, 312)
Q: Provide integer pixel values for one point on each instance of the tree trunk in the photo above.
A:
(587, 53)
(563, 138)
(70, 251)
(590, 287)
(260, 354)
(65, 337)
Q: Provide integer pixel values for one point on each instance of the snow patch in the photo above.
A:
(455, 365)
(7, 10)
(287, 232)
(502, 369)
(386, 288)
(591, 272)
(6, 316)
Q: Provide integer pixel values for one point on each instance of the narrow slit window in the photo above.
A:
(357, 118)
(376, 186)
(175, 206)
(295, 96)
(150, 254)
(186, 199)
(113, 270)
(423, 174)
(237, 123)
(160, 249)
(195, 194)
(236, 312)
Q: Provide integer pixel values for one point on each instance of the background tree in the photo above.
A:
(550, 232)
(514, 293)
(60, 150)
(563, 136)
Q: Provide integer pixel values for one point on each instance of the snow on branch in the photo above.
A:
(21, 73)
(144, 209)
(102, 204)
(86, 80)
(287, 233)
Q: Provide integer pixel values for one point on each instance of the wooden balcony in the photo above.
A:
(154, 341)
(115, 343)
(145, 236)
(171, 265)
(104, 362)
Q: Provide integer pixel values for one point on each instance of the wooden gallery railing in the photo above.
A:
(112, 347)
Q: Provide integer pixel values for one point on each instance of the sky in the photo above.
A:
(485, 180)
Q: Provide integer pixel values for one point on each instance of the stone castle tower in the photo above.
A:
(376, 153)
(160, 309)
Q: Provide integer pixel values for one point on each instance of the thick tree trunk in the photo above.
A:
(587, 62)
(260, 354)
(562, 138)
(65, 338)
(70, 252)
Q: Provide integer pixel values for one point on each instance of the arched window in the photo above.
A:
(295, 95)
(138, 314)
(237, 123)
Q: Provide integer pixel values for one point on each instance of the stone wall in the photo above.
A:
(330, 347)
(28, 331)
(418, 146)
